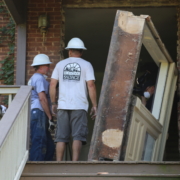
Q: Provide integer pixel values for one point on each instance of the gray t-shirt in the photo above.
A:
(72, 74)
(39, 84)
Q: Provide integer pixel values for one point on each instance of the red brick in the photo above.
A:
(33, 53)
(57, 9)
(41, 5)
(40, 48)
(38, 9)
(49, 9)
(53, 48)
(34, 35)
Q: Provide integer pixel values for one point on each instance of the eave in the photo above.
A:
(17, 9)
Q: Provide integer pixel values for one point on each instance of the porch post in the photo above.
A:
(21, 54)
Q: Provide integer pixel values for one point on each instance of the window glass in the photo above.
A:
(148, 147)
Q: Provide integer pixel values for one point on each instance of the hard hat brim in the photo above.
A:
(75, 48)
(39, 64)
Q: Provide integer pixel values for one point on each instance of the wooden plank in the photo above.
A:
(91, 170)
(117, 86)
(116, 3)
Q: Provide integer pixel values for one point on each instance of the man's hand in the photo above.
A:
(54, 109)
(51, 125)
(93, 112)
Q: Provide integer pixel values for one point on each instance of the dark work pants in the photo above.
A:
(42, 146)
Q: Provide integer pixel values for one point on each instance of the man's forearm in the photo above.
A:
(52, 90)
(93, 95)
(45, 104)
(53, 94)
(46, 108)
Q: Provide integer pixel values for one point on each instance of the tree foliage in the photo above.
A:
(7, 37)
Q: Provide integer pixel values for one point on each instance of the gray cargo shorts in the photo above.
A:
(71, 122)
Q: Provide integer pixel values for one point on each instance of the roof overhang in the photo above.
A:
(17, 9)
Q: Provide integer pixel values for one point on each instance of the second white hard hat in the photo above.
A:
(41, 59)
(76, 43)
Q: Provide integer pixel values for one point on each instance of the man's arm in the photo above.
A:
(93, 97)
(44, 103)
(52, 92)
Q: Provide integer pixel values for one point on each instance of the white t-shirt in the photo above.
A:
(39, 84)
(72, 74)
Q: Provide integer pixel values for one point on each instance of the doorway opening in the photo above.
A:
(94, 27)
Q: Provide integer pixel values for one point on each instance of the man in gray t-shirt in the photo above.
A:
(76, 79)
(42, 145)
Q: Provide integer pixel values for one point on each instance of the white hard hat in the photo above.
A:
(41, 59)
(75, 43)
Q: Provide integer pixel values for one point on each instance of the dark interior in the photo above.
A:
(94, 27)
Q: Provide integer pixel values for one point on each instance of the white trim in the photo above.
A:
(22, 165)
(8, 90)
(152, 47)
(167, 108)
(169, 92)
(160, 90)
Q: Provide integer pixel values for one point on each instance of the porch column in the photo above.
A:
(21, 55)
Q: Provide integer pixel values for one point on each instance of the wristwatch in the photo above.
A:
(54, 103)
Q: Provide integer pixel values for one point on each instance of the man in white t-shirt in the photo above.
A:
(76, 78)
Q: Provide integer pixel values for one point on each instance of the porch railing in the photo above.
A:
(14, 132)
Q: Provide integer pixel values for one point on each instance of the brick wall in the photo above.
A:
(52, 43)
(4, 49)
(4, 19)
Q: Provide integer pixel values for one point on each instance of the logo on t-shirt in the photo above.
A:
(72, 71)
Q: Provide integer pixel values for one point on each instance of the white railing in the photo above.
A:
(14, 133)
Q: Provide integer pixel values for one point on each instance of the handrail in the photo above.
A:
(10, 91)
(14, 133)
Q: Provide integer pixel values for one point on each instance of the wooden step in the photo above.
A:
(101, 170)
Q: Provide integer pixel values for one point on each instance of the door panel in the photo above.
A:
(142, 123)
(156, 128)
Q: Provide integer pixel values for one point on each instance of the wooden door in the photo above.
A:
(124, 128)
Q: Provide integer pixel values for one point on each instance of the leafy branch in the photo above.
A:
(7, 36)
